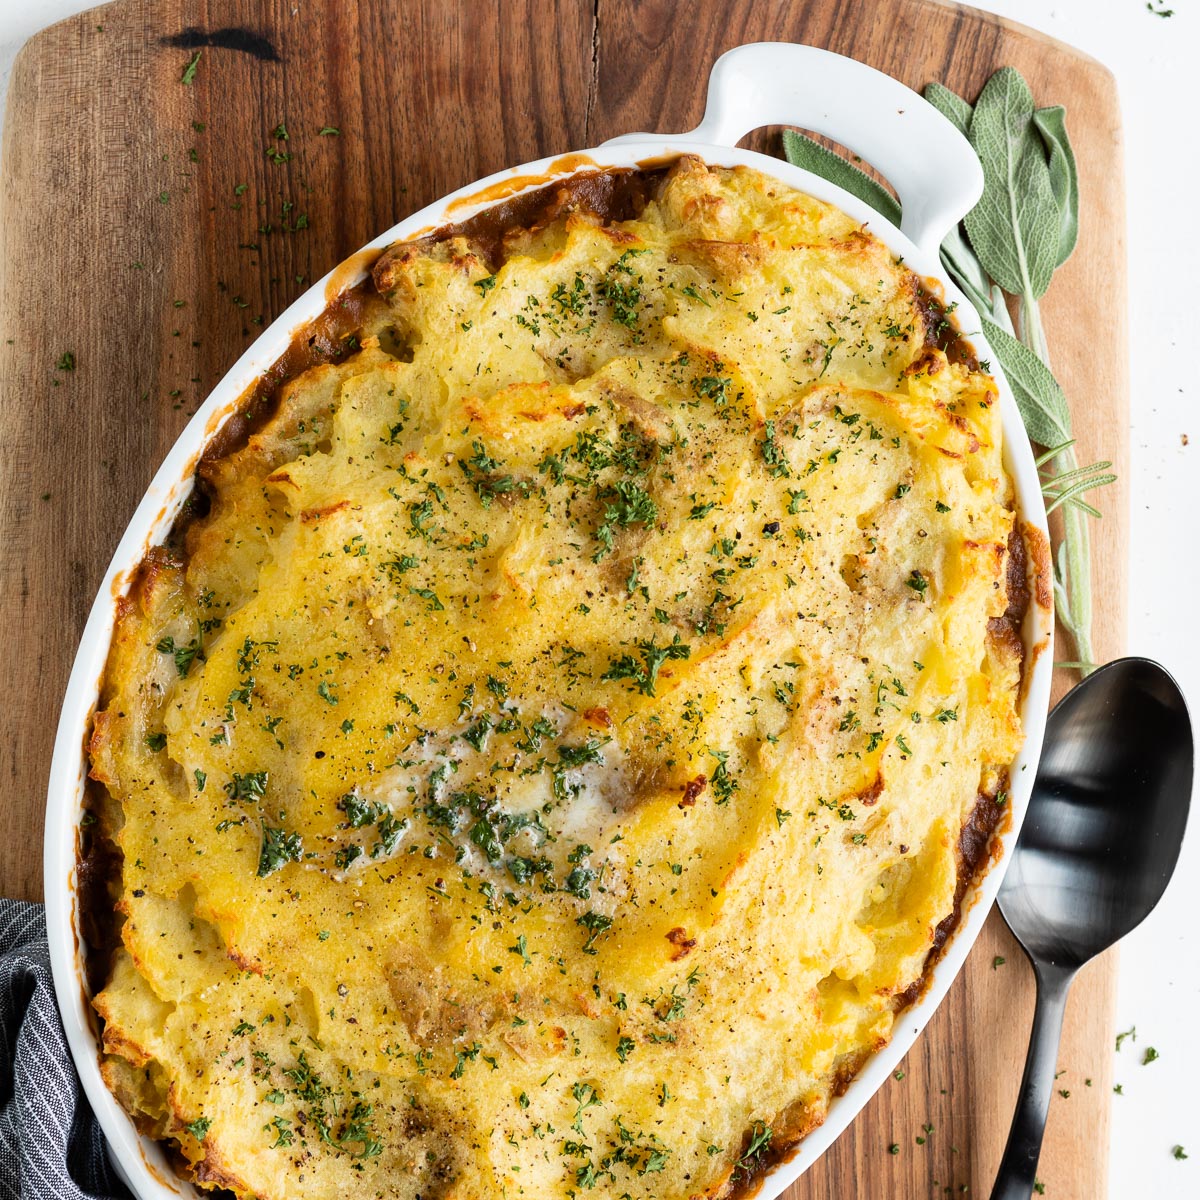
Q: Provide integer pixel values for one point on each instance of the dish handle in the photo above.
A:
(935, 172)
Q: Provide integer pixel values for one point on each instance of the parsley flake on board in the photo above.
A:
(189, 71)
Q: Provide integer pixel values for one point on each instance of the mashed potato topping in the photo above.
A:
(540, 772)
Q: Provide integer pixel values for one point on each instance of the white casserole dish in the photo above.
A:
(937, 177)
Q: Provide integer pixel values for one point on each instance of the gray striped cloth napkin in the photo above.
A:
(51, 1147)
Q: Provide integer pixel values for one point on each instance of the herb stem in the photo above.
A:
(1073, 570)
(1073, 574)
(1032, 333)
(1000, 311)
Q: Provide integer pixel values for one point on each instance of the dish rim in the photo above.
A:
(140, 1160)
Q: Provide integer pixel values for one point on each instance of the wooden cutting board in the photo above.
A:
(130, 239)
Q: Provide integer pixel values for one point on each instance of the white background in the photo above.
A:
(1156, 62)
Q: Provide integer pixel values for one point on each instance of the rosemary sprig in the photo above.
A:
(1022, 230)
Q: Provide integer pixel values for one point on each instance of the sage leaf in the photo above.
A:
(1000, 312)
(1015, 226)
(1041, 401)
(951, 105)
(1067, 487)
(965, 269)
(1064, 181)
(957, 256)
(803, 152)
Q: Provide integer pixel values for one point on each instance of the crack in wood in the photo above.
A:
(594, 81)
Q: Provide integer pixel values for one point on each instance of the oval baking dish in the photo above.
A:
(937, 178)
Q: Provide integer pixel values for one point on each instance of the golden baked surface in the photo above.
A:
(542, 773)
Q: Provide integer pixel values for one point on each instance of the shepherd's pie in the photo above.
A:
(548, 754)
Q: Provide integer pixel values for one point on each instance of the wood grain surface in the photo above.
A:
(146, 231)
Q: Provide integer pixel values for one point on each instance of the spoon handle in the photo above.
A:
(1018, 1167)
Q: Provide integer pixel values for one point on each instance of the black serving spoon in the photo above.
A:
(1096, 852)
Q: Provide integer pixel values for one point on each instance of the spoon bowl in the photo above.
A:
(1107, 814)
(1099, 845)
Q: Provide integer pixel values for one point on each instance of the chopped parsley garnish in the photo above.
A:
(572, 757)
(723, 784)
(389, 830)
(760, 1141)
(623, 298)
(251, 786)
(579, 882)
(714, 388)
(595, 923)
(419, 514)
(397, 567)
(476, 735)
(484, 474)
(628, 504)
(278, 847)
(573, 301)
(360, 812)
(184, 655)
(644, 674)
(346, 855)
(432, 603)
(773, 455)
(917, 582)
